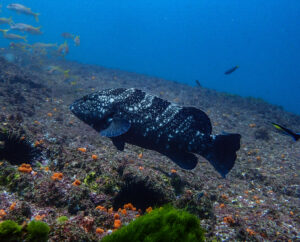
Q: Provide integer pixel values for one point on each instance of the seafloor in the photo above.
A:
(259, 199)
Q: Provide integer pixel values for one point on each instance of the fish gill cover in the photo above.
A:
(133, 143)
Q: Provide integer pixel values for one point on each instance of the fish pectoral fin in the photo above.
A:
(116, 128)
(118, 143)
(183, 159)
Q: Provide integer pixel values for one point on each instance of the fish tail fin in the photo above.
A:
(223, 152)
(4, 31)
(36, 16)
(67, 73)
(295, 136)
(11, 22)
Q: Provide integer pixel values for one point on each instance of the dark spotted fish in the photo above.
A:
(135, 117)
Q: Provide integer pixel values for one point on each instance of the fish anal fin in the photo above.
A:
(119, 143)
(185, 160)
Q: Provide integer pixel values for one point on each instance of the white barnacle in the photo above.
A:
(111, 100)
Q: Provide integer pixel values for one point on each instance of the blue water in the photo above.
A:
(184, 41)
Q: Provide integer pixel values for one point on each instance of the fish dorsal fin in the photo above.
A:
(116, 128)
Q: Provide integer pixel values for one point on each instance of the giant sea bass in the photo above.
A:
(135, 117)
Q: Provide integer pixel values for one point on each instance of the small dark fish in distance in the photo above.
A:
(296, 136)
(198, 83)
(135, 117)
(231, 70)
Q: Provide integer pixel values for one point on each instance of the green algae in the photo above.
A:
(163, 224)
(37, 231)
(62, 219)
(90, 181)
(10, 231)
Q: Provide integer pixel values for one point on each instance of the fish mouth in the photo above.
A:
(73, 109)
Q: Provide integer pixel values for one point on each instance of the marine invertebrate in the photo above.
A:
(10, 231)
(101, 208)
(149, 210)
(222, 205)
(57, 176)
(26, 168)
(99, 231)
(251, 232)
(163, 224)
(129, 206)
(87, 223)
(39, 217)
(15, 148)
(83, 150)
(229, 220)
(38, 143)
(2, 213)
(12, 206)
(76, 182)
(117, 223)
(94, 157)
(37, 231)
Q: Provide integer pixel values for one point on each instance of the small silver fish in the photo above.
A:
(26, 28)
(22, 9)
(6, 20)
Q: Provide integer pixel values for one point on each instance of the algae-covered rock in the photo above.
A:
(162, 224)
(10, 231)
(37, 231)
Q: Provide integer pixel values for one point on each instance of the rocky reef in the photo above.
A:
(65, 174)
